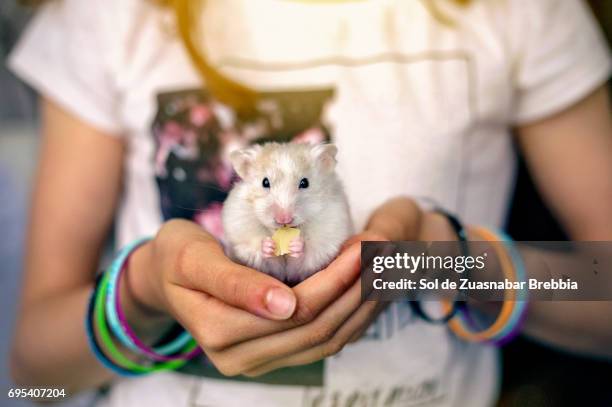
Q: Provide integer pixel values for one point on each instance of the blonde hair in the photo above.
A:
(228, 91)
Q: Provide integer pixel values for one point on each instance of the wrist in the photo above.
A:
(139, 290)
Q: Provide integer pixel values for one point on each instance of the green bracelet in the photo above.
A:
(115, 354)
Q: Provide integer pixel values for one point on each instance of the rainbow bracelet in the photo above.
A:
(119, 363)
(519, 312)
(91, 337)
(96, 327)
(118, 322)
(507, 325)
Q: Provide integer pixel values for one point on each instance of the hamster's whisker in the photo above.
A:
(190, 209)
(204, 186)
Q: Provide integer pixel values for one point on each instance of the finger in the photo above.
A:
(248, 355)
(360, 332)
(186, 307)
(227, 326)
(217, 325)
(318, 291)
(367, 236)
(202, 266)
(358, 322)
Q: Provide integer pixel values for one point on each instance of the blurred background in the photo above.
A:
(534, 375)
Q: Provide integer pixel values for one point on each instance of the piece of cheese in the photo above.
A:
(282, 237)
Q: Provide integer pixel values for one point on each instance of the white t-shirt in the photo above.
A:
(415, 106)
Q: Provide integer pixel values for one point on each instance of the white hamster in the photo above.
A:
(286, 184)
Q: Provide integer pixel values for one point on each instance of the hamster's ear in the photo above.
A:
(242, 159)
(325, 155)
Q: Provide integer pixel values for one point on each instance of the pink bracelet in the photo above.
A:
(142, 347)
(118, 322)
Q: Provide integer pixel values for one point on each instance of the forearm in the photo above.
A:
(577, 326)
(570, 159)
(50, 346)
(51, 334)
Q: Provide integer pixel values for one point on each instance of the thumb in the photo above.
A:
(207, 269)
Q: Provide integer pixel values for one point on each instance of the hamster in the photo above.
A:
(286, 184)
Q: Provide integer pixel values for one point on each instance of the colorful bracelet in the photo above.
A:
(513, 310)
(161, 352)
(463, 325)
(519, 313)
(118, 322)
(106, 291)
(114, 354)
(91, 337)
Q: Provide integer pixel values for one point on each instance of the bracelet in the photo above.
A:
(118, 322)
(115, 354)
(519, 313)
(96, 326)
(159, 352)
(93, 343)
(463, 326)
(456, 305)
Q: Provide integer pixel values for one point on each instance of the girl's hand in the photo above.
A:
(184, 265)
(401, 219)
(397, 219)
(347, 318)
(250, 323)
(244, 319)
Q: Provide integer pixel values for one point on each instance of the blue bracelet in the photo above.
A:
(93, 342)
(511, 330)
(111, 312)
(518, 313)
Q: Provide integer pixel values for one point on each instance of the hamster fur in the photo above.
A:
(272, 193)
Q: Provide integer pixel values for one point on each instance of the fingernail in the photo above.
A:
(280, 303)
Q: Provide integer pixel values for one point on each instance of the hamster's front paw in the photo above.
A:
(296, 247)
(268, 247)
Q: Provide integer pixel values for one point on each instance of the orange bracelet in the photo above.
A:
(502, 320)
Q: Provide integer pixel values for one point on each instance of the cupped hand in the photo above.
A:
(235, 313)
(250, 323)
(343, 321)
(330, 312)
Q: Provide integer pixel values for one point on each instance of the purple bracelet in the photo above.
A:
(142, 347)
(468, 318)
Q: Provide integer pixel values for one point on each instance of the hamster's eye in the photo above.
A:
(265, 183)
(304, 183)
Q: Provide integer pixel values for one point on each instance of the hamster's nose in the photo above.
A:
(283, 217)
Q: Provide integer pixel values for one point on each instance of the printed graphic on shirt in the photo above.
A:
(195, 134)
(395, 394)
